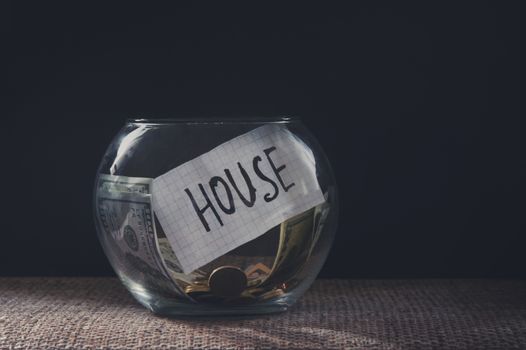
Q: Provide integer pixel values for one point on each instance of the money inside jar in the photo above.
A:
(259, 270)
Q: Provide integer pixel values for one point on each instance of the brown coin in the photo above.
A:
(227, 281)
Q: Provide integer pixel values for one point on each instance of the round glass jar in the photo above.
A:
(285, 197)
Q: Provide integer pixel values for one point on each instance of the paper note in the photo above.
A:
(235, 193)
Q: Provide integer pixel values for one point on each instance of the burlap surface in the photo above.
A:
(87, 313)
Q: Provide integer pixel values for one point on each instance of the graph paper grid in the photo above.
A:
(192, 244)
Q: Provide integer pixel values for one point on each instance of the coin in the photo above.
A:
(227, 281)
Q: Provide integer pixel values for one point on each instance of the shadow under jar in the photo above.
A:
(215, 216)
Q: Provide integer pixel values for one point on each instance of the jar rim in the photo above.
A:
(215, 120)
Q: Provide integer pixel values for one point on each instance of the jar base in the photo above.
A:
(170, 307)
(211, 311)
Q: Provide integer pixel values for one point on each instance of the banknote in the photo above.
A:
(125, 212)
(320, 216)
(296, 236)
(141, 185)
(115, 183)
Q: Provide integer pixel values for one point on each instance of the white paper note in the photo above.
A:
(235, 193)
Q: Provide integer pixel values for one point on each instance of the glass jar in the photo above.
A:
(215, 216)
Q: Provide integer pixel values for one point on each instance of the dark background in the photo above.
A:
(417, 105)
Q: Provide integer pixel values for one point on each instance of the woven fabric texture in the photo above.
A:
(98, 313)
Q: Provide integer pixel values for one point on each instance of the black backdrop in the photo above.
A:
(416, 105)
